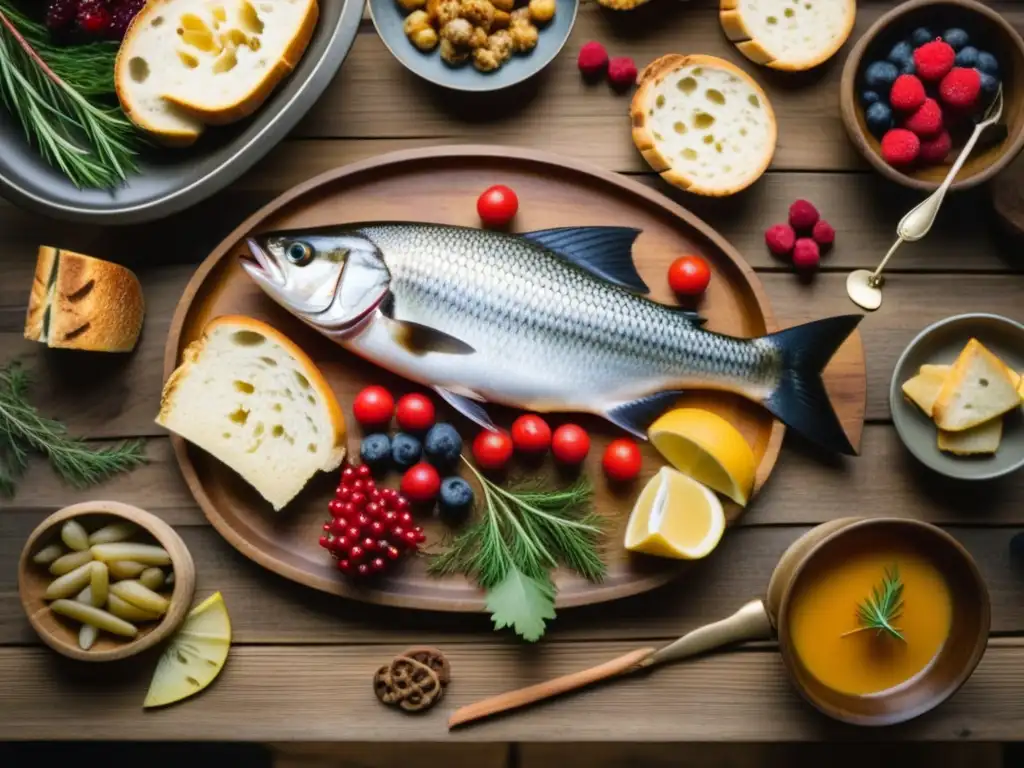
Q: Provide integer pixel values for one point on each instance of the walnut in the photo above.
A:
(478, 39)
(504, 5)
(457, 32)
(447, 10)
(524, 37)
(501, 21)
(479, 13)
(541, 11)
(452, 54)
(425, 39)
(414, 22)
(485, 60)
(500, 43)
(411, 5)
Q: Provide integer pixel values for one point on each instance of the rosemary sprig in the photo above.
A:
(883, 608)
(23, 429)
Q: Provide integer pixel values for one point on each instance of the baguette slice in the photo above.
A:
(978, 388)
(250, 397)
(922, 390)
(980, 440)
(703, 124)
(78, 302)
(790, 35)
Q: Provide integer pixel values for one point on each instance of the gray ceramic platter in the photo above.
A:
(941, 343)
(170, 180)
(388, 18)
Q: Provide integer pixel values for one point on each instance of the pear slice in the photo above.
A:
(195, 655)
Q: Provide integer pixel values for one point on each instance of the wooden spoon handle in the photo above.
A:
(514, 699)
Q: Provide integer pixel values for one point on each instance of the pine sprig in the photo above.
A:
(23, 429)
(883, 608)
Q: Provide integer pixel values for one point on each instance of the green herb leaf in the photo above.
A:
(522, 603)
(883, 608)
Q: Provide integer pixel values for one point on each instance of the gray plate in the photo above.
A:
(941, 343)
(171, 180)
(388, 18)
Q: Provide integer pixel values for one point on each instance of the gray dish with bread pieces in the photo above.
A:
(941, 344)
(174, 178)
(392, 18)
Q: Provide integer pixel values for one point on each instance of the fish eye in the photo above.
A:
(299, 253)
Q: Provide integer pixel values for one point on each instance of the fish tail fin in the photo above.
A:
(800, 400)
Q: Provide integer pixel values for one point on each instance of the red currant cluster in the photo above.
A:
(371, 528)
(92, 18)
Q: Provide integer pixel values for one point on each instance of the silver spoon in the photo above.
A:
(863, 286)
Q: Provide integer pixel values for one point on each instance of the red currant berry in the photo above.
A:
(358, 499)
(401, 503)
(348, 474)
(372, 509)
(341, 543)
(363, 520)
(376, 496)
(336, 526)
(369, 544)
(390, 517)
(378, 565)
(345, 566)
(411, 537)
(356, 553)
(325, 542)
(392, 553)
(335, 507)
(377, 528)
(362, 471)
(405, 518)
(359, 485)
(344, 493)
(363, 569)
(327, 526)
(352, 533)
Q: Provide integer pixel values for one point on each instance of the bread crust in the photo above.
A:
(643, 136)
(955, 381)
(96, 305)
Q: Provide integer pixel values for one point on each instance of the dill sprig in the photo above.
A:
(883, 608)
(23, 429)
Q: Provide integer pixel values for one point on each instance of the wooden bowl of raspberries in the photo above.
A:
(917, 82)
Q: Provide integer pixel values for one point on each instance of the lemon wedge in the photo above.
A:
(195, 655)
(675, 516)
(709, 449)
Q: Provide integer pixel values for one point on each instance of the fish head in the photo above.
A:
(333, 279)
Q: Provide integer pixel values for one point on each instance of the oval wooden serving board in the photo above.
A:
(441, 185)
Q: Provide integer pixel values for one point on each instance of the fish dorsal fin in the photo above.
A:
(606, 252)
(635, 416)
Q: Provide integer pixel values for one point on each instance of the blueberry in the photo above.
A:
(442, 445)
(405, 450)
(967, 57)
(900, 53)
(957, 38)
(867, 98)
(989, 84)
(920, 36)
(375, 451)
(456, 500)
(879, 118)
(987, 63)
(880, 75)
(908, 67)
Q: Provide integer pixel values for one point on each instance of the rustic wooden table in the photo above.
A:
(301, 663)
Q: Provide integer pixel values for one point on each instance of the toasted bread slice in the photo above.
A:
(923, 390)
(979, 388)
(980, 440)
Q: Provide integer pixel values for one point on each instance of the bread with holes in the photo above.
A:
(250, 397)
(78, 302)
(981, 440)
(703, 124)
(185, 64)
(790, 35)
(979, 388)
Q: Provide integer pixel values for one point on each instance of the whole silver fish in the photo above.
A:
(546, 321)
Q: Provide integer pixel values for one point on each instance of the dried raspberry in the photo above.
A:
(806, 254)
(907, 93)
(621, 72)
(934, 150)
(780, 239)
(960, 88)
(593, 60)
(926, 121)
(803, 215)
(93, 17)
(60, 13)
(823, 234)
(123, 15)
(900, 147)
(933, 60)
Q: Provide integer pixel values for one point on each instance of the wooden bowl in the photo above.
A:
(997, 36)
(957, 658)
(60, 633)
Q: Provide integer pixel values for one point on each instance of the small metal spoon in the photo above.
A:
(863, 286)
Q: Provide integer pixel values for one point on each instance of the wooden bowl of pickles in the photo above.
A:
(102, 581)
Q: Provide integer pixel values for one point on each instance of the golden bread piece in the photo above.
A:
(980, 440)
(978, 388)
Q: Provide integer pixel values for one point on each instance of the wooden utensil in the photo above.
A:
(61, 634)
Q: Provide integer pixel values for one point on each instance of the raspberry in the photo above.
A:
(621, 72)
(593, 60)
(900, 147)
(926, 121)
(780, 239)
(933, 60)
(823, 234)
(60, 13)
(806, 254)
(934, 150)
(960, 88)
(907, 93)
(803, 215)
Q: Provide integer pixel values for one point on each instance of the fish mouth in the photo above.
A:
(262, 265)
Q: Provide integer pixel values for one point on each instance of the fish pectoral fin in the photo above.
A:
(467, 407)
(421, 339)
(606, 252)
(635, 416)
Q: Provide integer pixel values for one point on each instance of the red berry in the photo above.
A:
(689, 275)
(355, 553)
(345, 566)
(803, 215)
(378, 565)
(348, 474)
(935, 149)
(497, 206)
(421, 482)
(335, 506)
(93, 17)
(900, 147)
(415, 413)
(344, 493)
(363, 569)
(593, 60)
(960, 88)
(926, 121)
(325, 542)
(823, 233)
(492, 450)
(621, 460)
(405, 518)
(806, 254)
(907, 93)
(780, 239)
(362, 471)
(373, 407)
(531, 434)
(933, 60)
(392, 553)
(570, 444)
(357, 500)
(621, 72)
